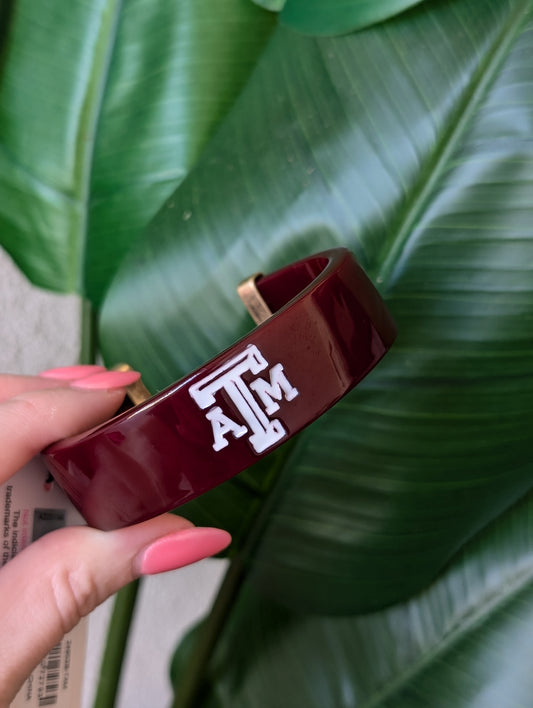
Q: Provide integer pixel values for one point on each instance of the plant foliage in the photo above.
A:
(104, 107)
(411, 142)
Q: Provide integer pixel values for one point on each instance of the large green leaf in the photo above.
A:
(463, 643)
(411, 142)
(104, 107)
(317, 17)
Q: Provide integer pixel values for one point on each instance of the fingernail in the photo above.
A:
(67, 373)
(106, 380)
(181, 548)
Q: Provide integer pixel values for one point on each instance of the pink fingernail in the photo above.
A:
(181, 548)
(106, 380)
(67, 373)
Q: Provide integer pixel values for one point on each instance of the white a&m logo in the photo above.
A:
(253, 409)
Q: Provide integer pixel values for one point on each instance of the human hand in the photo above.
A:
(48, 587)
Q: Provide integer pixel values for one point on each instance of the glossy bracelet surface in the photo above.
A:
(328, 329)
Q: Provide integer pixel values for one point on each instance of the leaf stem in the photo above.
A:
(194, 678)
(117, 639)
(89, 333)
(125, 600)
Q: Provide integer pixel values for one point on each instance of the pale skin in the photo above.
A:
(49, 586)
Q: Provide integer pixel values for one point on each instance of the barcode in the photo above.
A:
(50, 687)
(46, 520)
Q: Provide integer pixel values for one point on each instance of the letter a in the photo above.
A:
(221, 425)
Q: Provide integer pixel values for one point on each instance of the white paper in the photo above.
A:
(31, 505)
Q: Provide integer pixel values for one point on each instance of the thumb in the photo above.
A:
(47, 588)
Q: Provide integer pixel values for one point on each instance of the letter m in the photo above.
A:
(275, 390)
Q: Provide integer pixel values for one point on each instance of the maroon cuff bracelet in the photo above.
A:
(328, 329)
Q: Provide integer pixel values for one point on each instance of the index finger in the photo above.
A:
(34, 419)
(15, 384)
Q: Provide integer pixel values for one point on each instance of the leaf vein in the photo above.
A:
(480, 83)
